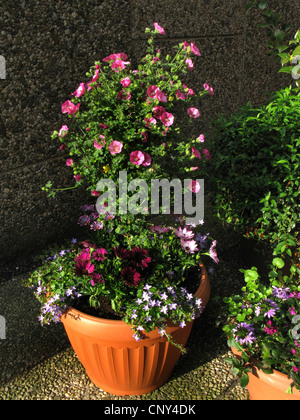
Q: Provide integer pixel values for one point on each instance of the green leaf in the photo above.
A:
(278, 262)
(244, 379)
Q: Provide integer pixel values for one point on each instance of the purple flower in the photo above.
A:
(164, 309)
(164, 296)
(243, 333)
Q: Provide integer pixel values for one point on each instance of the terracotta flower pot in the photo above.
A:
(269, 386)
(115, 361)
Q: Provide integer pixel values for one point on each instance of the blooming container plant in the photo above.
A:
(263, 329)
(140, 270)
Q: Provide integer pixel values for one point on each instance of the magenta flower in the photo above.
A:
(77, 178)
(69, 108)
(149, 121)
(96, 278)
(200, 138)
(83, 267)
(145, 136)
(155, 93)
(158, 111)
(189, 63)
(193, 112)
(99, 254)
(115, 147)
(137, 157)
(119, 65)
(101, 143)
(189, 246)
(113, 57)
(181, 95)
(63, 131)
(194, 186)
(130, 276)
(124, 95)
(69, 162)
(206, 153)
(167, 119)
(79, 91)
(196, 153)
(125, 82)
(194, 49)
(147, 161)
(159, 28)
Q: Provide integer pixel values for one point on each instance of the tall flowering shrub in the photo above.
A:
(125, 119)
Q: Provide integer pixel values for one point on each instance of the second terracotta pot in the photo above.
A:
(115, 361)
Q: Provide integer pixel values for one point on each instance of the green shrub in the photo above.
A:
(255, 170)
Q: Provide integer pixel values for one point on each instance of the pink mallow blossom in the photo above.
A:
(147, 161)
(196, 153)
(63, 131)
(189, 63)
(194, 186)
(79, 91)
(137, 157)
(115, 147)
(193, 112)
(167, 119)
(101, 142)
(159, 28)
(69, 162)
(125, 82)
(69, 108)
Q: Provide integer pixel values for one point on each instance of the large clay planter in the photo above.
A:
(269, 386)
(115, 361)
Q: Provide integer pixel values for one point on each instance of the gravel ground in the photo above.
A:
(37, 363)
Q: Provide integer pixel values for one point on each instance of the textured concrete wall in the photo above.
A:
(49, 46)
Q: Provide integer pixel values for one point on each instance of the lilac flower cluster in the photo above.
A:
(53, 307)
(155, 307)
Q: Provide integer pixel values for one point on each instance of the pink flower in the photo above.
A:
(137, 157)
(77, 178)
(130, 276)
(206, 153)
(167, 119)
(189, 246)
(160, 96)
(158, 111)
(69, 108)
(149, 121)
(115, 147)
(79, 91)
(99, 254)
(184, 233)
(101, 144)
(194, 186)
(189, 63)
(159, 28)
(69, 162)
(96, 278)
(113, 57)
(181, 95)
(63, 131)
(124, 95)
(213, 253)
(95, 193)
(200, 138)
(193, 112)
(125, 82)
(147, 161)
(145, 136)
(103, 126)
(155, 93)
(119, 65)
(194, 49)
(196, 153)
(208, 88)
(62, 147)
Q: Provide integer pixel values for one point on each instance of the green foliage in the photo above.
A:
(255, 170)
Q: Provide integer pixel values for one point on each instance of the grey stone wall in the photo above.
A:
(49, 46)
